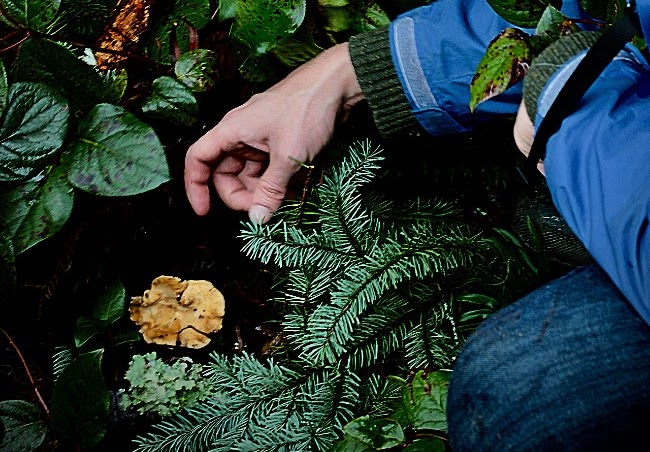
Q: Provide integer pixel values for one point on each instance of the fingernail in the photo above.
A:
(259, 214)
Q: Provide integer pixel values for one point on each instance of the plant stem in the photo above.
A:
(16, 44)
(29, 374)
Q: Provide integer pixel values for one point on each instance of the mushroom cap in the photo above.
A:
(175, 312)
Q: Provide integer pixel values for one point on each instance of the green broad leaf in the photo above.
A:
(83, 85)
(80, 401)
(24, 426)
(339, 19)
(299, 49)
(32, 14)
(110, 302)
(4, 88)
(227, 9)
(553, 24)
(197, 70)
(38, 209)
(380, 433)
(186, 12)
(128, 337)
(374, 17)
(427, 445)
(115, 154)
(523, 13)
(349, 444)
(33, 128)
(7, 266)
(263, 24)
(171, 101)
(86, 329)
(424, 402)
(505, 62)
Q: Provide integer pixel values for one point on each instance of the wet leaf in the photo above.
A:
(197, 70)
(7, 266)
(523, 13)
(37, 209)
(51, 63)
(193, 12)
(505, 62)
(171, 101)
(32, 131)
(263, 24)
(32, 14)
(379, 434)
(115, 154)
(227, 9)
(424, 402)
(80, 400)
(24, 426)
(130, 22)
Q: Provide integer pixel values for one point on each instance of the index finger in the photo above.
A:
(200, 160)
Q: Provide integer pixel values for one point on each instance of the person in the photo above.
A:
(566, 367)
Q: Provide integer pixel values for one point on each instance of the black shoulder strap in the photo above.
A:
(595, 61)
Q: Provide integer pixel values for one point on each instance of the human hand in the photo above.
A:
(524, 133)
(251, 155)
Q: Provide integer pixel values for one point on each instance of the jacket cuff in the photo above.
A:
(373, 65)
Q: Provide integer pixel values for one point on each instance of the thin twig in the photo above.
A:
(29, 374)
(16, 44)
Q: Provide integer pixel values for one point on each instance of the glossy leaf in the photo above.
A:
(424, 402)
(263, 24)
(193, 12)
(24, 426)
(45, 61)
(505, 62)
(380, 433)
(86, 329)
(80, 401)
(197, 70)
(171, 101)
(32, 131)
(4, 88)
(227, 9)
(128, 337)
(32, 14)
(115, 154)
(7, 266)
(37, 209)
(523, 13)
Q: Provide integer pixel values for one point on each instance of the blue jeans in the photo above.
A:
(565, 368)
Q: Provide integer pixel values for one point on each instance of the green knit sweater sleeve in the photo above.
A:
(373, 65)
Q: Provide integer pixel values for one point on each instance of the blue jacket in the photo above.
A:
(597, 165)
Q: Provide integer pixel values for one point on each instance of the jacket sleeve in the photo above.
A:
(597, 168)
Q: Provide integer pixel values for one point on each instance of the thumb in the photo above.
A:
(272, 188)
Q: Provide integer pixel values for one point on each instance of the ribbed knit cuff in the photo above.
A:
(373, 65)
(549, 61)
